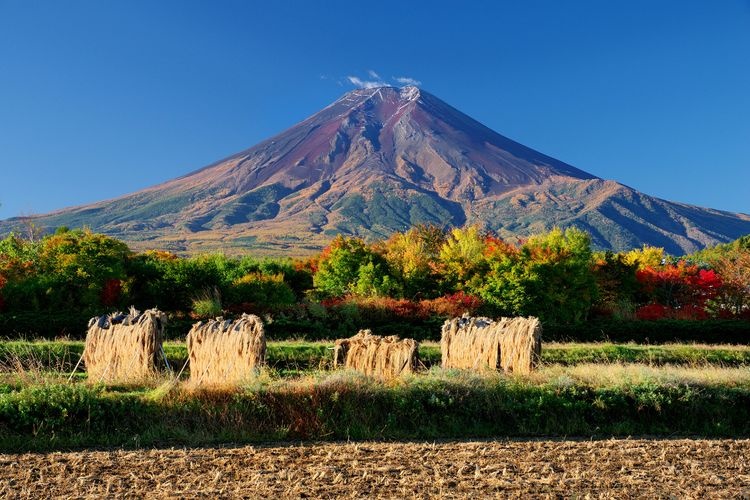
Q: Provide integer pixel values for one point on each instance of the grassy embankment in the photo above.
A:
(583, 400)
(580, 389)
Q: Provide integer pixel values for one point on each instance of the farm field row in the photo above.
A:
(305, 355)
(650, 468)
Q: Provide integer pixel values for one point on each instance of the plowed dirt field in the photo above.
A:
(541, 468)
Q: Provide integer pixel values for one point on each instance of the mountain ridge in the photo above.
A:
(379, 160)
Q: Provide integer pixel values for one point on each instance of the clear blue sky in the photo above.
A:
(101, 98)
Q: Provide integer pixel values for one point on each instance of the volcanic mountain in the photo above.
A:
(378, 161)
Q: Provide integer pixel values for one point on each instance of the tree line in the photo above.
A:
(556, 276)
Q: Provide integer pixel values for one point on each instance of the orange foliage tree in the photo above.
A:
(734, 297)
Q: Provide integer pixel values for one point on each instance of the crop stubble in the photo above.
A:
(612, 468)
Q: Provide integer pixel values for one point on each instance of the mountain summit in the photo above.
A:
(380, 160)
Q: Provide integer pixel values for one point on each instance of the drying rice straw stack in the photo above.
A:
(124, 347)
(470, 343)
(510, 344)
(226, 352)
(381, 357)
(520, 344)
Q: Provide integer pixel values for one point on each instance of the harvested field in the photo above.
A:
(614, 468)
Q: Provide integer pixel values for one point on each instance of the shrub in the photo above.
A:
(664, 330)
(652, 312)
(616, 284)
(111, 292)
(207, 304)
(171, 283)
(261, 289)
(452, 305)
(3, 281)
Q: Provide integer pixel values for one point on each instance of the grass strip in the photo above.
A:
(297, 356)
(441, 404)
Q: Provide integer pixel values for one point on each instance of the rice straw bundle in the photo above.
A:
(124, 347)
(381, 357)
(521, 344)
(226, 352)
(510, 344)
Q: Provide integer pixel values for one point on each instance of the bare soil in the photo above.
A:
(683, 468)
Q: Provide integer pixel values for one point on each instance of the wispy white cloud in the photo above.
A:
(375, 80)
(405, 80)
(365, 84)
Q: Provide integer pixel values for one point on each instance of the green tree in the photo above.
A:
(166, 281)
(616, 284)
(73, 270)
(550, 277)
(374, 280)
(348, 265)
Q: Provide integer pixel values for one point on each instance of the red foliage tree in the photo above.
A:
(677, 290)
(652, 312)
(734, 268)
(496, 247)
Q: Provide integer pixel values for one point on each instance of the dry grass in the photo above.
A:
(586, 375)
(624, 374)
(226, 352)
(28, 368)
(380, 357)
(124, 348)
(641, 468)
(511, 344)
(667, 346)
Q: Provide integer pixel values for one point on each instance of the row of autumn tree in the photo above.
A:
(424, 270)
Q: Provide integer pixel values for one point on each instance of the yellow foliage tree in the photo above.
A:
(462, 251)
(647, 256)
(414, 255)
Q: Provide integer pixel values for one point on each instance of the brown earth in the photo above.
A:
(681, 468)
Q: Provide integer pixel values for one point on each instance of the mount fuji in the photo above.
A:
(381, 160)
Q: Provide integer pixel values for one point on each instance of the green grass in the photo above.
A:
(585, 400)
(296, 356)
(207, 304)
(676, 354)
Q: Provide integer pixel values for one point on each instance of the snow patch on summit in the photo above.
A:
(409, 93)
